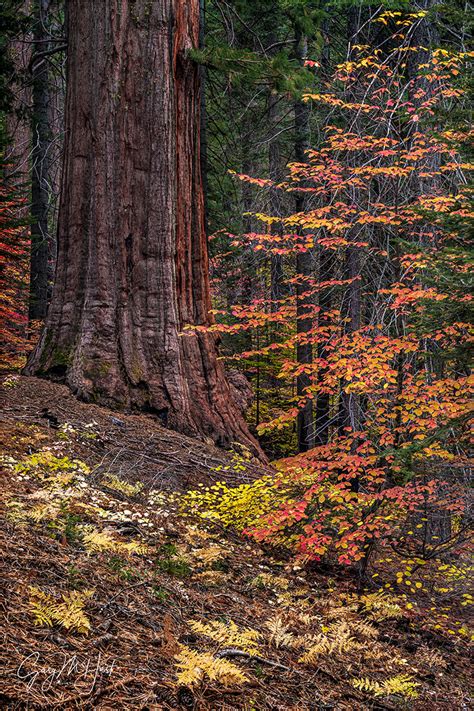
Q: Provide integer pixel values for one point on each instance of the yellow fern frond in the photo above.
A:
(41, 606)
(69, 612)
(346, 628)
(16, 512)
(211, 577)
(228, 635)
(96, 541)
(367, 685)
(267, 580)
(380, 606)
(279, 634)
(124, 487)
(57, 472)
(193, 534)
(400, 685)
(133, 547)
(210, 554)
(335, 640)
(193, 666)
(43, 512)
(365, 629)
(326, 646)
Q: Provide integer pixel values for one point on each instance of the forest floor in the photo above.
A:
(115, 598)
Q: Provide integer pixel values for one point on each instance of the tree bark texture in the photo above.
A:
(132, 269)
(18, 126)
(40, 167)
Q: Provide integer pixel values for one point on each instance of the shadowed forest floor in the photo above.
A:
(116, 599)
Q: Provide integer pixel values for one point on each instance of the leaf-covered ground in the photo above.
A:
(115, 599)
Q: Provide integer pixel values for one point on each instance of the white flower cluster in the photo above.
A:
(159, 501)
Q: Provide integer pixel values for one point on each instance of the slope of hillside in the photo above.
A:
(115, 598)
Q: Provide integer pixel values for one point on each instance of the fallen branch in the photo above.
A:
(232, 652)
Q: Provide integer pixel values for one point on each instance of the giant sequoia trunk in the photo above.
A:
(132, 268)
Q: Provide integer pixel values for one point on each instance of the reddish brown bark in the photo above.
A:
(132, 266)
(17, 154)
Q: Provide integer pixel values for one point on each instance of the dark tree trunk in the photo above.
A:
(40, 168)
(304, 268)
(132, 269)
(57, 94)
(350, 405)
(203, 116)
(322, 419)
(274, 171)
(16, 161)
(350, 412)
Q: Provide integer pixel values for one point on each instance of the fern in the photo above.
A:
(228, 634)
(279, 634)
(209, 555)
(334, 612)
(267, 580)
(96, 541)
(50, 468)
(43, 512)
(400, 685)
(42, 607)
(193, 534)
(61, 480)
(69, 612)
(211, 578)
(286, 601)
(16, 512)
(306, 618)
(380, 606)
(365, 629)
(123, 487)
(193, 666)
(351, 627)
(326, 646)
(133, 547)
(335, 640)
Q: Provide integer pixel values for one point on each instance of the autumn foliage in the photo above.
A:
(388, 207)
(14, 257)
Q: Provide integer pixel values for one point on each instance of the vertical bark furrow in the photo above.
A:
(132, 252)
